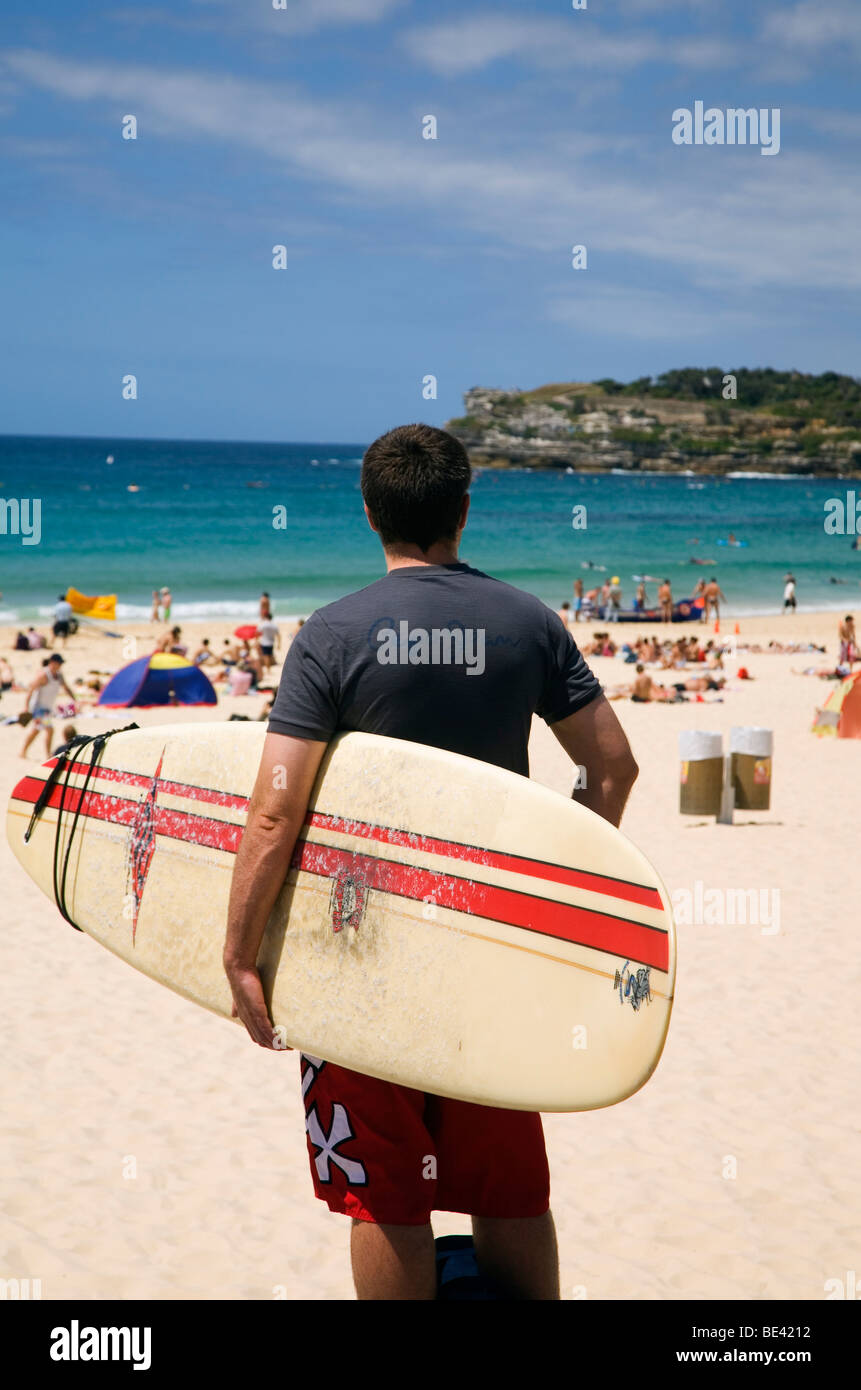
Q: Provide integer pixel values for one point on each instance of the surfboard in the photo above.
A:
(444, 924)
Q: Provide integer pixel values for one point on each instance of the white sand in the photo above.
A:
(101, 1066)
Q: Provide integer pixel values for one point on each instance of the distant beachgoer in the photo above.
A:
(22, 643)
(641, 692)
(7, 677)
(62, 618)
(699, 590)
(605, 600)
(640, 603)
(615, 597)
(712, 594)
(265, 605)
(578, 599)
(35, 640)
(268, 638)
(665, 601)
(69, 732)
(564, 613)
(155, 615)
(166, 601)
(789, 593)
(169, 642)
(848, 641)
(229, 657)
(248, 662)
(40, 700)
(203, 654)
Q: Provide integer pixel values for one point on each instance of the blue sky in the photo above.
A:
(409, 256)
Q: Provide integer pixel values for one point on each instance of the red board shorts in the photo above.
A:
(391, 1155)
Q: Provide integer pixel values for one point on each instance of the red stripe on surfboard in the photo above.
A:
(104, 806)
(623, 889)
(617, 936)
(493, 859)
(229, 800)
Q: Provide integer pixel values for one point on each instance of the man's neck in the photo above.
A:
(442, 553)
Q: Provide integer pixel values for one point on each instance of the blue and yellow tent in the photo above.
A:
(158, 679)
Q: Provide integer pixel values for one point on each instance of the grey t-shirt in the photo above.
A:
(438, 654)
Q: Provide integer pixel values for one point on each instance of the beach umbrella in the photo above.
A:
(841, 713)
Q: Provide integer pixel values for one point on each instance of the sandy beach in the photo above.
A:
(151, 1151)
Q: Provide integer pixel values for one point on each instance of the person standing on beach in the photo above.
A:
(712, 594)
(40, 700)
(699, 591)
(62, 619)
(155, 615)
(268, 638)
(848, 641)
(265, 607)
(789, 594)
(640, 600)
(578, 599)
(166, 601)
(615, 596)
(665, 601)
(491, 1163)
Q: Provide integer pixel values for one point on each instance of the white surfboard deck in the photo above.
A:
(446, 924)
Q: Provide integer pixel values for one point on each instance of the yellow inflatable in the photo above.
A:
(102, 606)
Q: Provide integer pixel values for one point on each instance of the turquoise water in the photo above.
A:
(201, 522)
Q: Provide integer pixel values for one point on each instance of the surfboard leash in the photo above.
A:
(66, 759)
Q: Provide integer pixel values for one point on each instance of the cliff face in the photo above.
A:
(582, 426)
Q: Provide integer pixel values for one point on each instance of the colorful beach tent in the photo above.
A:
(158, 679)
(102, 606)
(841, 713)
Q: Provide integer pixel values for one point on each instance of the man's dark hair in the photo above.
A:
(414, 480)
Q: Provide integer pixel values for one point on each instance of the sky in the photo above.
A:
(406, 257)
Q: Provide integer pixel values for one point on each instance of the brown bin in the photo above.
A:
(701, 774)
(750, 767)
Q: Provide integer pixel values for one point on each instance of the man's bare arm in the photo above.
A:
(595, 740)
(276, 813)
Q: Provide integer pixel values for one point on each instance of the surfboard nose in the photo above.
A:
(19, 811)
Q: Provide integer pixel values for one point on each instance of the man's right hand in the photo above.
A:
(249, 1005)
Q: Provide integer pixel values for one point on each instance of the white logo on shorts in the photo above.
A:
(339, 1133)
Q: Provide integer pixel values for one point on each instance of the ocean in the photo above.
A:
(198, 517)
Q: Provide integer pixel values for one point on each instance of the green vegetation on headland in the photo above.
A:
(707, 420)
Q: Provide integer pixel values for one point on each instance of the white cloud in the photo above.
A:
(458, 46)
(616, 311)
(815, 25)
(844, 124)
(300, 16)
(465, 45)
(719, 218)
